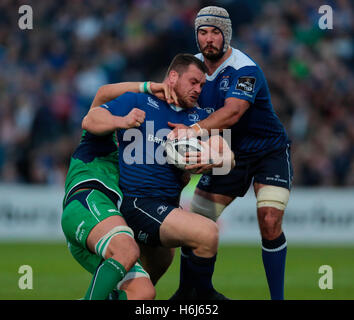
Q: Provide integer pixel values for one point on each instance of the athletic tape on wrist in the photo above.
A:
(148, 87)
(145, 87)
(199, 129)
(141, 87)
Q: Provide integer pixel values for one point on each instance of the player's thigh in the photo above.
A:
(208, 204)
(102, 228)
(269, 196)
(272, 181)
(274, 169)
(77, 219)
(145, 216)
(89, 215)
(184, 228)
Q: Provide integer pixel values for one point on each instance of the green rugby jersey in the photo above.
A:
(94, 164)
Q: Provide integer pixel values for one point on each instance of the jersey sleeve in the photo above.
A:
(122, 105)
(245, 84)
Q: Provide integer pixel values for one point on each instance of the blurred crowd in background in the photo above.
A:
(50, 74)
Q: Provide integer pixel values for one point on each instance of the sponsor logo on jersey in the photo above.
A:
(155, 139)
(193, 117)
(224, 84)
(153, 103)
(209, 110)
(246, 84)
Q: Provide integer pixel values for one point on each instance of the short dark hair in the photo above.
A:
(182, 61)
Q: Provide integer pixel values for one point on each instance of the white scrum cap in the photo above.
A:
(215, 17)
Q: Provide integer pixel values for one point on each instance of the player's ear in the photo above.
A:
(173, 77)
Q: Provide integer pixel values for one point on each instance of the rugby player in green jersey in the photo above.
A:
(97, 235)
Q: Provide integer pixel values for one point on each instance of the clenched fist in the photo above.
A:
(134, 118)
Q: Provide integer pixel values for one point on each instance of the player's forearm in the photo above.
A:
(109, 92)
(226, 116)
(220, 119)
(99, 121)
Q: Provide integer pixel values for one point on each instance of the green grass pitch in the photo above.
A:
(238, 274)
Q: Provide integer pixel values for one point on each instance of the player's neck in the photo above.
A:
(213, 65)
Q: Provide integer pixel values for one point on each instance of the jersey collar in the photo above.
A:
(222, 66)
(175, 108)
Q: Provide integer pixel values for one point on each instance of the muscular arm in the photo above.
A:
(109, 92)
(226, 116)
(223, 118)
(100, 121)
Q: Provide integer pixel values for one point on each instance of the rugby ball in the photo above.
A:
(177, 148)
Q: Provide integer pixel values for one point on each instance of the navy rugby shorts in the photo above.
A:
(273, 168)
(145, 216)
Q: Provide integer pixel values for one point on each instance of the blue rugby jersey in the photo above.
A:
(142, 162)
(259, 129)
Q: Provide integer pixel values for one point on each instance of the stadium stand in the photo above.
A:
(50, 74)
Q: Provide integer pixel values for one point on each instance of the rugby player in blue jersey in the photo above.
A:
(96, 233)
(237, 96)
(152, 187)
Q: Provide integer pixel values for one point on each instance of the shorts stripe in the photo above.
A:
(136, 207)
(93, 180)
(288, 160)
(90, 207)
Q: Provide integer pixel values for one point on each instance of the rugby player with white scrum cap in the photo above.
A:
(236, 95)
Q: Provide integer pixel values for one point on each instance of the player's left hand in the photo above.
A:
(215, 154)
(164, 92)
(133, 119)
(204, 161)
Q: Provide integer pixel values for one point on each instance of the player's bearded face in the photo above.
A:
(189, 86)
(211, 52)
(211, 43)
